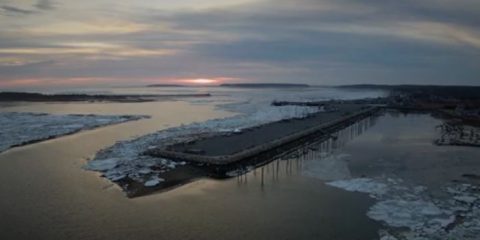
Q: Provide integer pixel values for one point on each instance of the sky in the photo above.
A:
(320, 42)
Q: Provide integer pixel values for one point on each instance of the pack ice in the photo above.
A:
(17, 129)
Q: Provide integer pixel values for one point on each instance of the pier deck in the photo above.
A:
(228, 149)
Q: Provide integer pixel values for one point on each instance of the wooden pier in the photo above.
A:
(250, 152)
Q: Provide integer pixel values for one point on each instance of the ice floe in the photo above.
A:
(404, 213)
(454, 216)
(384, 235)
(364, 185)
(466, 199)
(153, 181)
(18, 129)
(104, 165)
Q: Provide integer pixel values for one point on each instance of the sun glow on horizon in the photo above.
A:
(201, 81)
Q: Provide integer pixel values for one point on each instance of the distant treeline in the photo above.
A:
(264, 85)
(457, 92)
(39, 97)
(23, 96)
(165, 85)
(239, 85)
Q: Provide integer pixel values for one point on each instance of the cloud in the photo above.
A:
(39, 5)
(91, 50)
(433, 32)
(316, 41)
(285, 19)
(85, 28)
(15, 10)
(44, 5)
(19, 62)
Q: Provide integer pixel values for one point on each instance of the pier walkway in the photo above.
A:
(232, 148)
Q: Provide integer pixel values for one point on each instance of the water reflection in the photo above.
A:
(293, 163)
(48, 195)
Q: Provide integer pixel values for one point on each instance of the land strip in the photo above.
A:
(38, 97)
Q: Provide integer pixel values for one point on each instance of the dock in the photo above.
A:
(233, 149)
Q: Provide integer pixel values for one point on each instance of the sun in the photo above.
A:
(202, 81)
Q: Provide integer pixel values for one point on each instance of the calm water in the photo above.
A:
(402, 146)
(47, 195)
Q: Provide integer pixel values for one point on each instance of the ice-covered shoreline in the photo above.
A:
(23, 128)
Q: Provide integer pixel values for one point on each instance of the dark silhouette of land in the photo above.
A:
(38, 97)
(425, 91)
(165, 85)
(264, 85)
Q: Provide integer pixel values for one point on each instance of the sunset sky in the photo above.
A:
(111, 42)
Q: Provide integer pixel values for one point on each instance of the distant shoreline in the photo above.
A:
(460, 92)
(39, 97)
(165, 85)
(264, 85)
(236, 85)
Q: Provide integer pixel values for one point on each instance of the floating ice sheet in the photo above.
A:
(365, 185)
(426, 217)
(18, 129)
